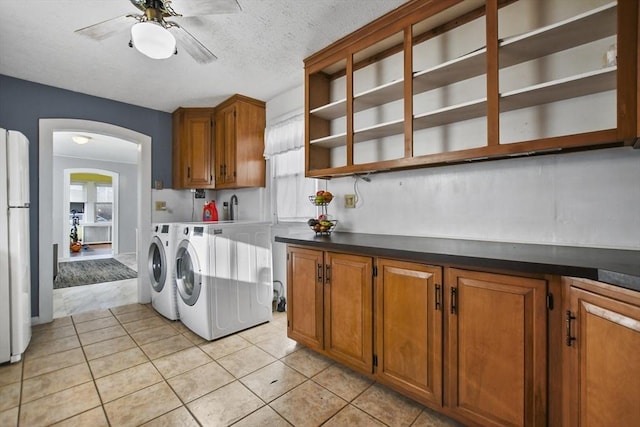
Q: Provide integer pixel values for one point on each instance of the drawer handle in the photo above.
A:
(438, 307)
(568, 318)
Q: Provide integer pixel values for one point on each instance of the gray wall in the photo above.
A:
(23, 103)
(127, 198)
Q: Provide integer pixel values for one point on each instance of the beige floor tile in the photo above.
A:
(129, 308)
(132, 316)
(10, 373)
(117, 362)
(93, 325)
(307, 362)
(52, 334)
(195, 339)
(179, 326)
(178, 417)
(142, 324)
(157, 349)
(56, 323)
(429, 418)
(343, 381)
(128, 381)
(264, 416)
(51, 347)
(245, 361)
(225, 346)
(200, 381)
(91, 315)
(142, 406)
(101, 335)
(260, 333)
(9, 396)
(273, 381)
(59, 406)
(94, 418)
(53, 382)
(53, 362)
(105, 348)
(319, 405)
(388, 406)
(279, 346)
(352, 417)
(9, 418)
(180, 362)
(225, 405)
(153, 334)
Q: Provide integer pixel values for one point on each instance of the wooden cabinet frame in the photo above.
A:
(319, 111)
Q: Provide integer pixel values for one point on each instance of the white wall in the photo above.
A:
(128, 194)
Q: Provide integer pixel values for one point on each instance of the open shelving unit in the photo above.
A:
(617, 19)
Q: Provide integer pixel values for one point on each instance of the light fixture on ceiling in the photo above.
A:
(80, 139)
(152, 39)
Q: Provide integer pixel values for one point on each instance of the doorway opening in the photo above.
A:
(137, 210)
(90, 214)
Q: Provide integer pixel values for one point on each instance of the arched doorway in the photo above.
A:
(47, 127)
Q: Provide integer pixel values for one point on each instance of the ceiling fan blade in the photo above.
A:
(191, 45)
(106, 29)
(204, 7)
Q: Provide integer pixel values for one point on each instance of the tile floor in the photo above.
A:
(69, 301)
(128, 366)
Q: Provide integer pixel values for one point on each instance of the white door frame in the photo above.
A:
(66, 227)
(45, 206)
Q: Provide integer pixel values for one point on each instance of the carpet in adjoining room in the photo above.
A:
(76, 273)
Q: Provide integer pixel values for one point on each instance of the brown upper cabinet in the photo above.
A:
(221, 147)
(193, 148)
(239, 144)
(433, 83)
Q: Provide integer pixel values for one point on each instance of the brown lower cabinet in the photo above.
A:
(331, 304)
(496, 359)
(473, 346)
(602, 354)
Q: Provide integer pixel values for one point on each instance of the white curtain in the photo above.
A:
(284, 147)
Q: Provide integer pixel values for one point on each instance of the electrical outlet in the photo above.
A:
(349, 200)
(161, 206)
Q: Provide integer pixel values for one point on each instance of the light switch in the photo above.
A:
(161, 206)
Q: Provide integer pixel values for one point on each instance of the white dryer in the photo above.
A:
(161, 270)
(223, 276)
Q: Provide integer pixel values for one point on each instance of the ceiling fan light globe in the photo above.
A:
(153, 40)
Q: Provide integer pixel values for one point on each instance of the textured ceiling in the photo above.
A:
(260, 50)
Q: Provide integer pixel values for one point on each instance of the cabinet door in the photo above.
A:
(305, 271)
(604, 360)
(197, 149)
(348, 306)
(409, 328)
(497, 348)
(226, 147)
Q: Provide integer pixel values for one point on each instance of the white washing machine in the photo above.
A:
(223, 277)
(192, 279)
(161, 270)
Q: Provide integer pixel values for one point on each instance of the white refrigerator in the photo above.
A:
(15, 275)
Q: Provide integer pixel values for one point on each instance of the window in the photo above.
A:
(284, 147)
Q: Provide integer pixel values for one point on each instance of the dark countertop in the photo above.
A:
(615, 266)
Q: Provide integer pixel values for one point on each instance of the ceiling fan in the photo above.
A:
(157, 38)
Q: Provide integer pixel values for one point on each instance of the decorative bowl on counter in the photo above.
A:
(322, 226)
